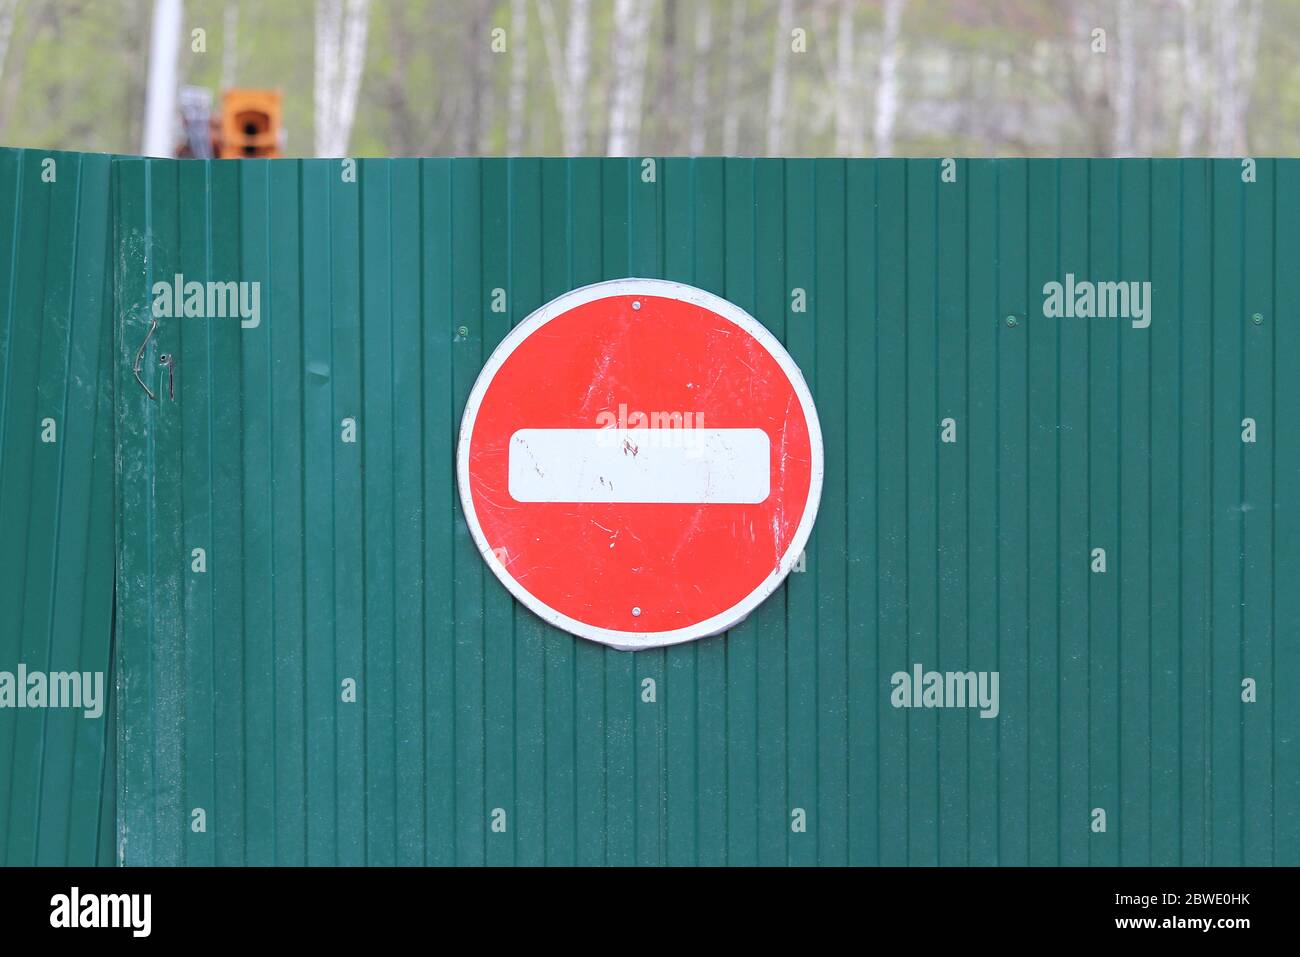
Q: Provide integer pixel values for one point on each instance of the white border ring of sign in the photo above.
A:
(630, 640)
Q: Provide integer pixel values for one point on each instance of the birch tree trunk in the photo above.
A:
(341, 31)
(670, 131)
(631, 46)
(731, 99)
(518, 47)
(12, 86)
(1126, 81)
(404, 130)
(847, 108)
(7, 10)
(1236, 34)
(780, 80)
(1239, 51)
(1226, 32)
(329, 28)
(700, 68)
(230, 45)
(356, 22)
(1191, 124)
(568, 70)
(579, 62)
(340, 61)
(474, 100)
(887, 86)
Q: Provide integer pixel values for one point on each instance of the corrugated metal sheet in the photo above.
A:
(1119, 690)
(56, 498)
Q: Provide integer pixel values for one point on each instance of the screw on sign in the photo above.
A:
(640, 463)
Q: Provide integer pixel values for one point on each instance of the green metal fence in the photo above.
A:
(56, 490)
(1161, 690)
(1073, 503)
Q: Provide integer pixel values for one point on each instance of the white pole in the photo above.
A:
(160, 97)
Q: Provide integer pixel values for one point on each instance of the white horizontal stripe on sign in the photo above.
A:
(676, 466)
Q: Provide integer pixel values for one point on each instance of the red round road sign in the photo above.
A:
(640, 463)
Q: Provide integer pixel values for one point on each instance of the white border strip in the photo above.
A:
(643, 466)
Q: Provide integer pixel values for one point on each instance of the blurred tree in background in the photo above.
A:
(628, 77)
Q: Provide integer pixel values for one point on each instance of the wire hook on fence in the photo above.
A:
(168, 360)
(153, 324)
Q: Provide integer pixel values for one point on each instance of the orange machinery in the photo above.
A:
(250, 125)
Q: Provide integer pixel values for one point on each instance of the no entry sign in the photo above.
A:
(640, 463)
